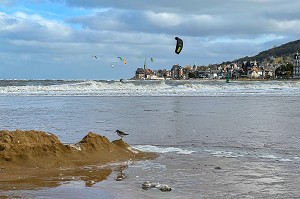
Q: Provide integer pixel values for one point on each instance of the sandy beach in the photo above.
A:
(35, 159)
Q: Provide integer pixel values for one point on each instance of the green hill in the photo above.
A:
(285, 51)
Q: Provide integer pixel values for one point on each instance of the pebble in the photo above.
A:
(162, 187)
(149, 184)
(89, 183)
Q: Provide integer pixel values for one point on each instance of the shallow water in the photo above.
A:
(211, 146)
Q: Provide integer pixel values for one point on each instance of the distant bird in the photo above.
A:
(121, 133)
(94, 56)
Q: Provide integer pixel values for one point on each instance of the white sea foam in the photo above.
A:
(269, 156)
(150, 148)
(277, 158)
(149, 165)
(148, 88)
(245, 154)
(226, 154)
(285, 160)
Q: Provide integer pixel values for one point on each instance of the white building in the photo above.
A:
(296, 68)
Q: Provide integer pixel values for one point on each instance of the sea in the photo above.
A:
(214, 139)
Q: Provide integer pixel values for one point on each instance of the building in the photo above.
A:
(296, 68)
(176, 72)
(149, 73)
(140, 73)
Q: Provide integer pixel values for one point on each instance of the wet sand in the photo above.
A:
(36, 159)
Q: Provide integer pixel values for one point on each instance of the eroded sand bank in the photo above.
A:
(30, 159)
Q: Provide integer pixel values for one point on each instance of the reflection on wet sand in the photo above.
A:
(48, 180)
(120, 172)
(55, 178)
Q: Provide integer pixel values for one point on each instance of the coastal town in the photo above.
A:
(272, 68)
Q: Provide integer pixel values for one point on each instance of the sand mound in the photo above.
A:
(27, 145)
(33, 159)
(40, 149)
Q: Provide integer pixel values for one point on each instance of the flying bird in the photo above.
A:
(94, 56)
(121, 133)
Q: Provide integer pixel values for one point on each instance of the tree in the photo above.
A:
(285, 71)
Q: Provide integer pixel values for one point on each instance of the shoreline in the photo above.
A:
(168, 79)
(217, 80)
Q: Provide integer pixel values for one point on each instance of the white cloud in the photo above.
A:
(164, 19)
(291, 26)
(23, 26)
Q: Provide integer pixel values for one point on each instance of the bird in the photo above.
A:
(121, 133)
(95, 56)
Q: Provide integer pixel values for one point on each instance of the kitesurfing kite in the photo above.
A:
(121, 59)
(179, 45)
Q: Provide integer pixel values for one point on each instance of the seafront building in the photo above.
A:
(296, 69)
(273, 68)
(178, 72)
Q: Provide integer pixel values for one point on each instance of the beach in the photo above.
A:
(42, 154)
(213, 139)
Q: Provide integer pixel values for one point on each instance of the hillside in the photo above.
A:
(284, 51)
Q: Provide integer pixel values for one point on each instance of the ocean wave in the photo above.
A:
(146, 88)
(251, 155)
(156, 149)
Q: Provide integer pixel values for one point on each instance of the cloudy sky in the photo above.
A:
(56, 39)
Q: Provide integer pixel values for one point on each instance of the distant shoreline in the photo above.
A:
(133, 79)
(218, 80)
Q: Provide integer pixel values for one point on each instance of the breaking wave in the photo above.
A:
(156, 149)
(147, 88)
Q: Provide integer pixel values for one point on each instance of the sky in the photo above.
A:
(57, 39)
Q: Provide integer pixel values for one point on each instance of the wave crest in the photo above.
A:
(147, 88)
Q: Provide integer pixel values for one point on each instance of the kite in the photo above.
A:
(179, 45)
(94, 56)
(121, 59)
